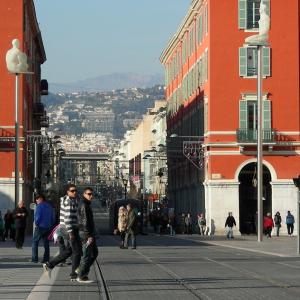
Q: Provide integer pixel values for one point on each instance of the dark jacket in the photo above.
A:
(20, 221)
(86, 223)
(230, 221)
(132, 222)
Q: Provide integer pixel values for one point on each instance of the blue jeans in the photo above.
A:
(40, 233)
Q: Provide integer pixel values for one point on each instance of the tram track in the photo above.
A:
(102, 285)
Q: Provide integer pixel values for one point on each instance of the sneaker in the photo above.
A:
(84, 279)
(73, 277)
(47, 270)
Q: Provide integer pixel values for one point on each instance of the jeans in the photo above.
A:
(40, 233)
(20, 236)
(277, 229)
(229, 233)
(172, 230)
(290, 228)
(133, 238)
(122, 235)
(90, 253)
(74, 249)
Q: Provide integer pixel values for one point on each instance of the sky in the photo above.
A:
(87, 38)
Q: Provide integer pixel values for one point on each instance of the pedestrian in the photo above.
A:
(268, 225)
(188, 224)
(8, 220)
(172, 224)
(182, 224)
(69, 230)
(277, 221)
(131, 228)
(87, 233)
(44, 219)
(20, 216)
(1, 228)
(230, 222)
(201, 223)
(290, 220)
(122, 223)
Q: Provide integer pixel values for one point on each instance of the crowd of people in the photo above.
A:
(165, 222)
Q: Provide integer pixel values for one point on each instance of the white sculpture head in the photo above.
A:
(16, 43)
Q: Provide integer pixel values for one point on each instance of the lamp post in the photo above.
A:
(16, 62)
(259, 41)
(125, 182)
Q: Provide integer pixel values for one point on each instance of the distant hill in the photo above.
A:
(108, 82)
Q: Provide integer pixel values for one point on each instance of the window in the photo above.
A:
(249, 13)
(248, 62)
(248, 115)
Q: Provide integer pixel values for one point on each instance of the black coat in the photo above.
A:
(20, 221)
(86, 223)
(230, 221)
(132, 222)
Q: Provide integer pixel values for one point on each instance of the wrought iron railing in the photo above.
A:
(250, 135)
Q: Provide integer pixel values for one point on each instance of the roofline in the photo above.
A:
(193, 11)
(36, 30)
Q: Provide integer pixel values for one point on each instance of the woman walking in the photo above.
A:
(122, 223)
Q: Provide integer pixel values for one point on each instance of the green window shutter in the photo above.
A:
(267, 3)
(200, 28)
(243, 114)
(266, 61)
(266, 114)
(243, 62)
(242, 14)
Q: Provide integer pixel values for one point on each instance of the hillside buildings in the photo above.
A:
(18, 20)
(211, 94)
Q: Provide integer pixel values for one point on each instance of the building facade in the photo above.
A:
(211, 79)
(18, 20)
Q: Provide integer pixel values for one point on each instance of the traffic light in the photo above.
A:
(297, 182)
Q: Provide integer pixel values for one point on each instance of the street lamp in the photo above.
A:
(16, 62)
(259, 41)
(125, 182)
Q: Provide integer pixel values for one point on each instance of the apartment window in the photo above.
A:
(248, 62)
(249, 13)
(248, 115)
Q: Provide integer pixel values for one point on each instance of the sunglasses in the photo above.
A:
(89, 194)
(72, 191)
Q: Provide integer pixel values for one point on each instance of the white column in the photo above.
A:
(284, 198)
(222, 196)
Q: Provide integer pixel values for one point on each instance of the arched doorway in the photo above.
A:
(248, 196)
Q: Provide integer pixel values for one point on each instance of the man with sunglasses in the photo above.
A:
(87, 234)
(69, 229)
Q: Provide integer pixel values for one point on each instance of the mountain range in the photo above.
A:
(108, 82)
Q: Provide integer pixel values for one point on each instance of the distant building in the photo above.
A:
(99, 121)
(211, 92)
(18, 20)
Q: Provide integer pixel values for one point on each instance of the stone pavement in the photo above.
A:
(163, 267)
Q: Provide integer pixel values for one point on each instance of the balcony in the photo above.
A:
(250, 135)
(44, 121)
(38, 109)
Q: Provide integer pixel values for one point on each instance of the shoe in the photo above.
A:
(124, 247)
(133, 248)
(84, 279)
(73, 277)
(47, 270)
(33, 261)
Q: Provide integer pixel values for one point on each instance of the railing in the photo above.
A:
(250, 135)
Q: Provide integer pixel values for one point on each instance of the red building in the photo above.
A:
(18, 20)
(211, 90)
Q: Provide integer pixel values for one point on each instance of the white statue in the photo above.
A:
(264, 27)
(16, 60)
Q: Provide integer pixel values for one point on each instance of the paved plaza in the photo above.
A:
(164, 267)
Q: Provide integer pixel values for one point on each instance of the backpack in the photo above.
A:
(277, 220)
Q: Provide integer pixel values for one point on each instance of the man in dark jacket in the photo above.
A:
(230, 222)
(44, 219)
(20, 216)
(131, 228)
(87, 233)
